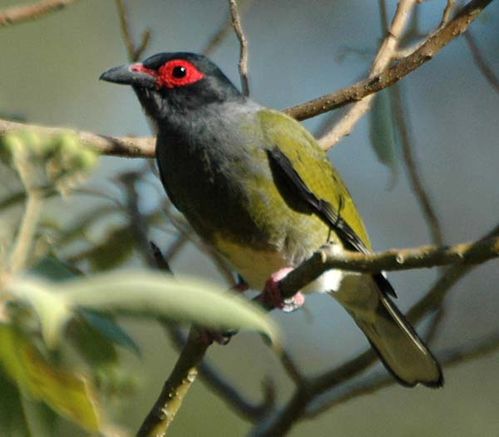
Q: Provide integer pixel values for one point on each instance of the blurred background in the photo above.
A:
(298, 50)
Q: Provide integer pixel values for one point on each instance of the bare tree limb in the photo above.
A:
(19, 14)
(394, 73)
(175, 388)
(243, 46)
(282, 420)
(384, 56)
(223, 388)
(129, 147)
(394, 259)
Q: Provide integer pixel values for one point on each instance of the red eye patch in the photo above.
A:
(172, 74)
(177, 73)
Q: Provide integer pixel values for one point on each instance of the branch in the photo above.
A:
(224, 389)
(394, 259)
(134, 51)
(280, 422)
(385, 54)
(243, 46)
(393, 74)
(176, 386)
(19, 14)
(415, 180)
(133, 147)
(129, 147)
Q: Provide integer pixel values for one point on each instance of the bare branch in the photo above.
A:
(175, 388)
(134, 51)
(385, 53)
(415, 179)
(394, 259)
(394, 73)
(243, 46)
(19, 14)
(129, 147)
(480, 61)
(224, 29)
(222, 387)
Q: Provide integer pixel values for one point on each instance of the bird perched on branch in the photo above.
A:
(255, 184)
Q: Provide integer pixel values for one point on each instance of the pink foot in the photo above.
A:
(208, 337)
(273, 293)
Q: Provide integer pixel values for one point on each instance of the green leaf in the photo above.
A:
(55, 269)
(51, 267)
(154, 295)
(111, 330)
(382, 133)
(68, 393)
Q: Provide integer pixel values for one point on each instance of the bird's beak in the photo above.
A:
(133, 74)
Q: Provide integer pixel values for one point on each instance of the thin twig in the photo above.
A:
(224, 30)
(480, 61)
(384, 56)
(19, 14)
(34, 202)
(415, 179)
(134, 51)
(448, 10)
(243, 46)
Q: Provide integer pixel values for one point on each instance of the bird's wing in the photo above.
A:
(300, 162)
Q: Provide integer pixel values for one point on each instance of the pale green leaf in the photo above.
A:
(152, 294)
(382, 133)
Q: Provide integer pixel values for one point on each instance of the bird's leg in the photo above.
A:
(273, 294)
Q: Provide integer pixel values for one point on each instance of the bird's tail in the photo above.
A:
(401, 350)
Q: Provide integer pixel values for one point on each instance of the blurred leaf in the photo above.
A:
(66, 392)
(382, 133)
(111, 330)
(153, 295)
(51, 267)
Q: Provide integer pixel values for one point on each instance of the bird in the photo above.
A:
(255, 185)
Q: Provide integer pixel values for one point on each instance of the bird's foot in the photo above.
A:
(273, 295)
(209, 337)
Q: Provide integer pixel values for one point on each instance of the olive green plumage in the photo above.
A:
(255, 184)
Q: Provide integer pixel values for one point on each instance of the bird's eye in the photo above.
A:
(179, 72)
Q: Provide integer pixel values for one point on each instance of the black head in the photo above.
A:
(178, 82)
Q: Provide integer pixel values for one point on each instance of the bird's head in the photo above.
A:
(174, 83)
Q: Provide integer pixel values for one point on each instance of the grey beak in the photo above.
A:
(126, 76)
